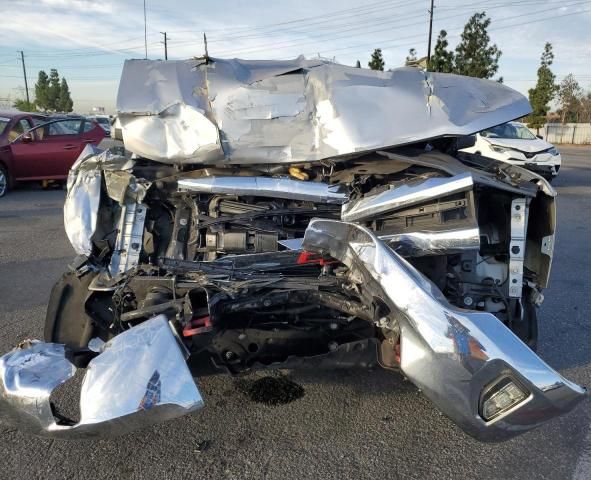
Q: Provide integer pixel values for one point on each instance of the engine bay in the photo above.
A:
(221, 255)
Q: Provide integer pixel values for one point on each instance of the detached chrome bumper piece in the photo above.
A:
(468, 363)
(140, 378)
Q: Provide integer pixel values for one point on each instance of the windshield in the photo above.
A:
(103, 121)
(510, 131)
(3, 122)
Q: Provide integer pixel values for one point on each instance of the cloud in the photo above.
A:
(86, 6)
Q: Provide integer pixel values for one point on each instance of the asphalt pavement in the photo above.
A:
(352, 424)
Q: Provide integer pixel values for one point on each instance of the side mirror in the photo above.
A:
(27, 137)
(466, 141)
(540, 137)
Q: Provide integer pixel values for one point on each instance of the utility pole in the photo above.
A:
(145, 32)
(25, 75)
(165, 45)
(430, 32)
(205, 44)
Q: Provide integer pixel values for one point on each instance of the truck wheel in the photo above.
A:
(3, 181)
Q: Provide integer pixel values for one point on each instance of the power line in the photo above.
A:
(121, 51)
(331, 35)
(383, 43)
(59, 66)
(365, 10)
(335, 13)
(85, 49)
(313, 26)
(357, 23)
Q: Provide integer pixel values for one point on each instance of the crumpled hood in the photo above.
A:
(529, 146)
(240, 111)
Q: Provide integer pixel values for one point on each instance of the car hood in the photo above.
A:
(529, 146)
(248, 111)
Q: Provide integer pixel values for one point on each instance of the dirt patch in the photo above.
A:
(271, 390)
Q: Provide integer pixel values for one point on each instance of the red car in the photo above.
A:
(37, 147)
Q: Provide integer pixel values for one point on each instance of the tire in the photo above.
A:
(527, 329)
(66, 320)
(4, 181)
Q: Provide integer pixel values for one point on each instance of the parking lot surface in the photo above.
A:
(348, 424)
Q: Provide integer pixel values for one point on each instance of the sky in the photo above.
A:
(88, 40)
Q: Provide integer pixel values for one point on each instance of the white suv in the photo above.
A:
(514, 143)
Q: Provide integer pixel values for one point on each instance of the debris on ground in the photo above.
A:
(271, 390)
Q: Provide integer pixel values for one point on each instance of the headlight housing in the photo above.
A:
(553, 151)
(499, 149)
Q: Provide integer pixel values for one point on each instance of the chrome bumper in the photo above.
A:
(140, 378)
(454, 356)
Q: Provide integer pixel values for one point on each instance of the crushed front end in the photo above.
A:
(283, 215)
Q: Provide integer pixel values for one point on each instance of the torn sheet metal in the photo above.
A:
(494, 175)
(267, 187)
(83, 199)
(405, 195)
(240, 111)
(123, 187)
(81, 209)
(423, 243)
(507, 170)
(82, 202)
(178, 133)
(140, 378)
(420, 243)
(452, 355)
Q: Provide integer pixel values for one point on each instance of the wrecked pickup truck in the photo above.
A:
(279, 214)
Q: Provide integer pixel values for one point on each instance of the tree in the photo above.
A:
(585, 110)
(51, 93)
(569, 99)
(411, 57)
(65, 102)
(545, 90)
(24, 106)
(54, 90)
(475, 56)
(442, 59)
(42, 90)
(377, 61)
